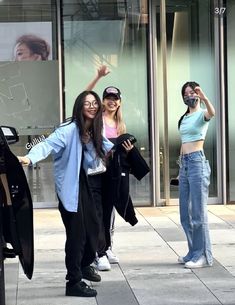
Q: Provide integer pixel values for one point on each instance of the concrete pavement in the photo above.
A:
(148, 273)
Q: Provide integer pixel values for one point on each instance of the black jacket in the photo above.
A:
(17, 213)
(120, 166)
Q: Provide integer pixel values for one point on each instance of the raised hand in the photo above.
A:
(103, 71)
(200, 93)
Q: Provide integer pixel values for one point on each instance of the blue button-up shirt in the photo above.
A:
(66, 148)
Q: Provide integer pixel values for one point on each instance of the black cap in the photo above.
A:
(112, 91)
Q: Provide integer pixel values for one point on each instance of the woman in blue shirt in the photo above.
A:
(70, 145)
(194, 176)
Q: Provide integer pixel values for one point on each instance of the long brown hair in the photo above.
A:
(121, 127)
(97, 123)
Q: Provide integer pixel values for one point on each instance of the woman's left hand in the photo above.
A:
(210, 108)
(200, 93)
(127, 145)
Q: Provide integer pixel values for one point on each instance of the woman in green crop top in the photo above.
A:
(194, 176)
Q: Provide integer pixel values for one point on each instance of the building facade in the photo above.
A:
(152, 47)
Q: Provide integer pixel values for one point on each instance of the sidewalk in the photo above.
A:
(148, 273)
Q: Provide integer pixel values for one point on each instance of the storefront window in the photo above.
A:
(114, 34)
(29, 81)
(189, 57)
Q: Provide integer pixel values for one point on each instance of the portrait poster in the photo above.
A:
(10, 32)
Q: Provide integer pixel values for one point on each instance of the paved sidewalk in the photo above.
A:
(148, 273)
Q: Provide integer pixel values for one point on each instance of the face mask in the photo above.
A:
(191, 101)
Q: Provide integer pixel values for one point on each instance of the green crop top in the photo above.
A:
(193, 127)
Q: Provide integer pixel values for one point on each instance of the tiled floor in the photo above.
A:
(148, 273)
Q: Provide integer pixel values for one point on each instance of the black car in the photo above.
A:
(16, 210)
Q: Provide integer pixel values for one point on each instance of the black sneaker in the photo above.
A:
(91, 274)
(80, 289)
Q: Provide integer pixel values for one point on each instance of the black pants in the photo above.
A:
(108, 199)
(82, 229)
(95, 184)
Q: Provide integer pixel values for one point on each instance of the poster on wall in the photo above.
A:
(29, 77)
(26, 41)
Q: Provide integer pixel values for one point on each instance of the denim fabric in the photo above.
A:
(66, 148)
(194, 180)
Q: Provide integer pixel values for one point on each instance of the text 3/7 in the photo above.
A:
(220, 10)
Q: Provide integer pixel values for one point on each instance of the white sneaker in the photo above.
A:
(113, 259)
(181, 260)
(200, 263)
(102, 263)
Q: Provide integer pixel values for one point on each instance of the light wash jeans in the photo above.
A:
(194, 180)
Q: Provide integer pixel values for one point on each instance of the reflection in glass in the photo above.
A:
(115, 34)
(29, 91)
(190, 48)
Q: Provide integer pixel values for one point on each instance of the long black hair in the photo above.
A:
(191, 84)
(96, 127)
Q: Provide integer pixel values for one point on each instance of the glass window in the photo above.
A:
(29, 81)
(113, 33)
(189, 57)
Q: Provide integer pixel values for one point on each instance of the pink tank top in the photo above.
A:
(110, 132)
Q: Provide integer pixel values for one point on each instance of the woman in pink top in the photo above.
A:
(113, 127)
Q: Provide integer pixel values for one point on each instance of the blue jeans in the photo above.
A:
(194, 180)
